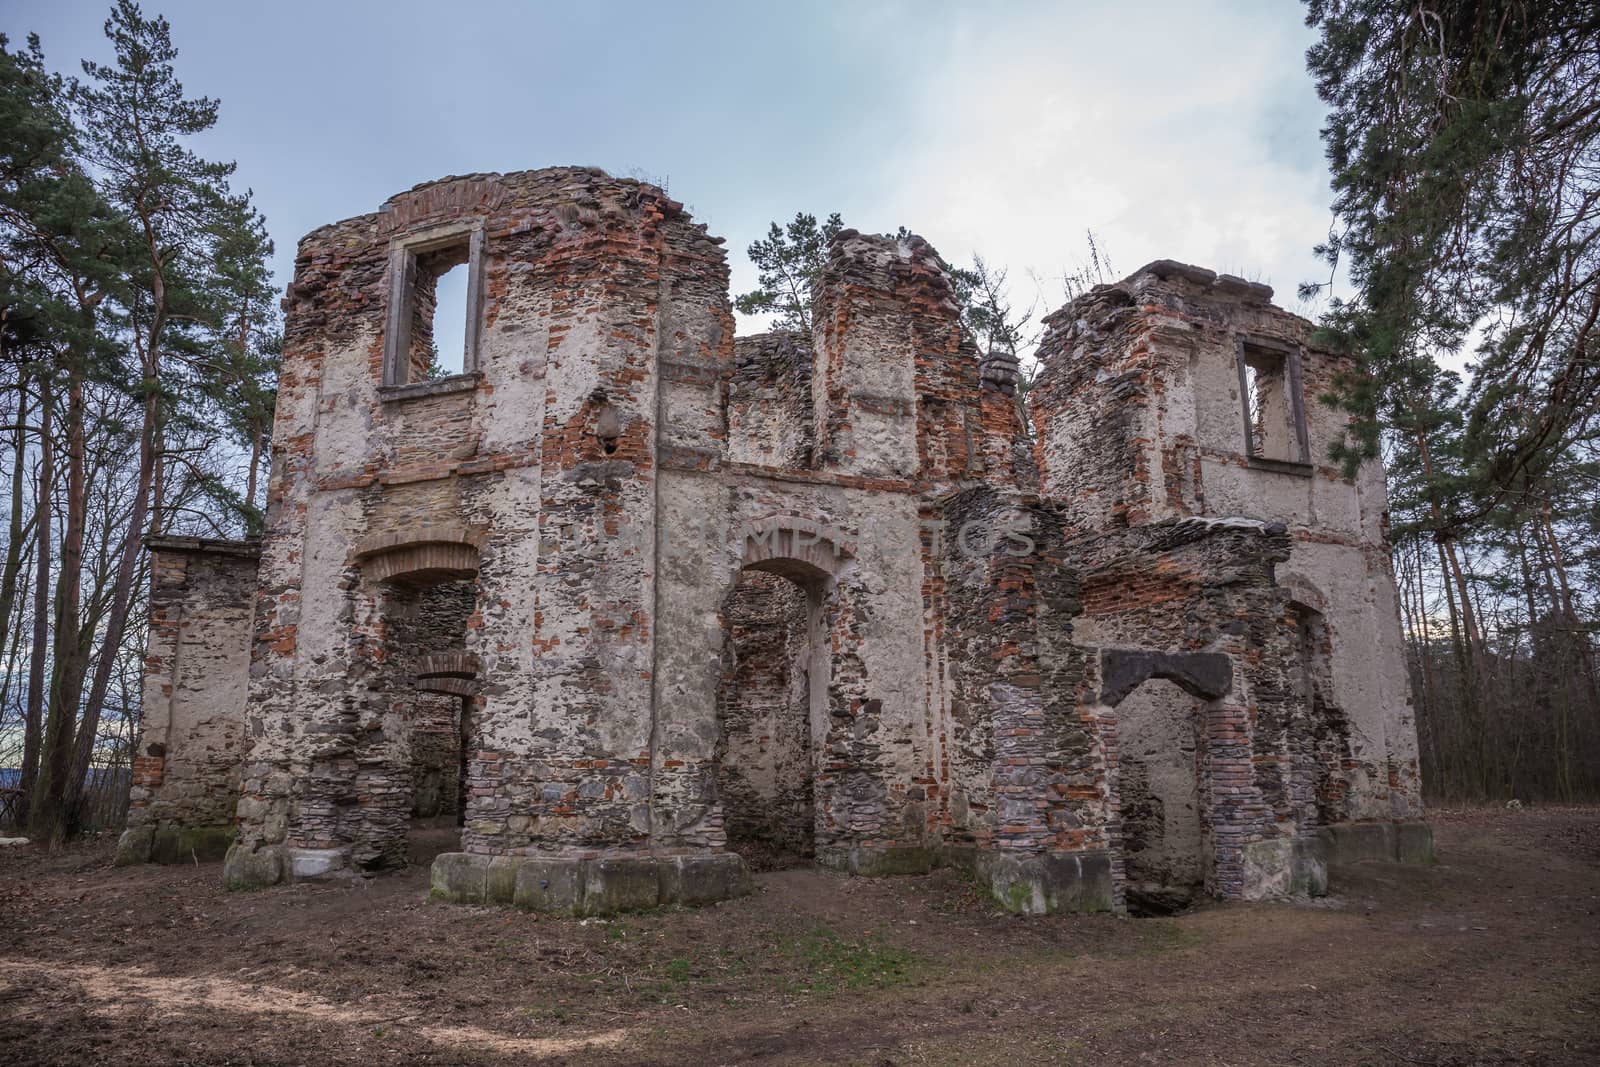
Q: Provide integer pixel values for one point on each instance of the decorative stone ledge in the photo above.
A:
(456, 383)
(1281, 466)
(249, 548)
(588, 886)
(419, 533)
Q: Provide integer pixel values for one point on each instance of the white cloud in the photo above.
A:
(1178, 131)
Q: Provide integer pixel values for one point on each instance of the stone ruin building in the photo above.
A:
(631, 598)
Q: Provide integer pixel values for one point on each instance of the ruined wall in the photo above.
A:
(769, 401)
(1140, 417)
(1197, 586)
(589, 285)
(191, 732)
(538, 558)
(1028, 774)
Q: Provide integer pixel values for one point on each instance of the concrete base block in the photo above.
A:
(460, 878)
(1414, 842)
(1048, 882)
(1392, 842)
(1268, 869)
(605, 886)
(245, 868)
(704, 879)
(614, 885)
(879, 862)
(545, 885)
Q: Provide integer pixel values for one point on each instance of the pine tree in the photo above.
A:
(789, 262)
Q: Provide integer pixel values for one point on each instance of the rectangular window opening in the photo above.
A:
(448, 339)
(1274, 415)
(433, 308)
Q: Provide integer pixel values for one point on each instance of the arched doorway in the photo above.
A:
(414, 749)
(772, 703)
(765, 751)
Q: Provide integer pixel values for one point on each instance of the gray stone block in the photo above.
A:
(548, 885)
(134, 846)
(245, 868)
(1077, 881)
(316, 864)
(500, 880)
(1310, 870)
(1414, 842)
(459, 878)
(1053, 882)
(624, 884)
(703, 879)
(1357, 842)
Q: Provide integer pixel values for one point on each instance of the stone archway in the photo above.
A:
(772, 705)
(414, 771)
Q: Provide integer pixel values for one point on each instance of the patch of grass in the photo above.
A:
(834, 963)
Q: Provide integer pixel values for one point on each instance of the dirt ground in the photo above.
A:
(1488, 957)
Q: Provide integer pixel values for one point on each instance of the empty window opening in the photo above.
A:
(1163, 829)
(1274, 418)
(449, 336)
(434, 309)
(765, 750)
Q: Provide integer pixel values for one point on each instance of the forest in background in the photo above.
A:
(139, 339)
(138, 348)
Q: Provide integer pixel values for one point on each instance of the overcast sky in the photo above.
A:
(1185, 130)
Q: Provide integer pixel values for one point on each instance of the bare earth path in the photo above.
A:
(1489, 957)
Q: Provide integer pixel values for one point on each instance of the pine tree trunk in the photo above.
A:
(33, 712)
(13, 564)
(117, 617)
(48, 819)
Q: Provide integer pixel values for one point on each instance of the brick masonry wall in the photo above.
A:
(568, 521)
(1139, 418)
(191, 738)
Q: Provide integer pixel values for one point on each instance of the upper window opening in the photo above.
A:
(1274, 414)
(449, 338)
(434, 305)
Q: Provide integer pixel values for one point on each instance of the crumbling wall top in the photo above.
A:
(884, 262)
